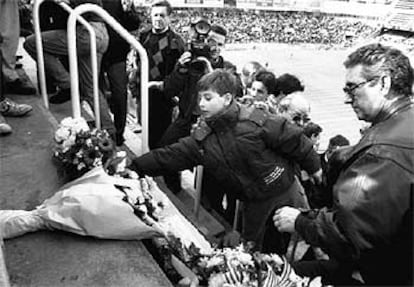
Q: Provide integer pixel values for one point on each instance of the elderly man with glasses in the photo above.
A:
(370, 225)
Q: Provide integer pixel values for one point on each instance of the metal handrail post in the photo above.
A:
(132, 41)
(39, 47)
(200, 168)
(73, 67)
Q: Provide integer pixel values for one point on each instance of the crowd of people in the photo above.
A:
(247, 26)
(253, 133)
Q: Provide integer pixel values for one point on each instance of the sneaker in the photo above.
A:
(19, 87)
(61, 97)
(5, 129)
(8, 108)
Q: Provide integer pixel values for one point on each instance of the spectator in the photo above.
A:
(371, 221)
(261, 175)
(287, 84)
(114, 64)
(313, 132)
(55, 45)
(261, 91)
(248, 72)
(164, 47)
(296, 108)
(182, 84)
(10, 81)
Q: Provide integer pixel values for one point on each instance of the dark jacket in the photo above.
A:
(118, 48)
(248, 151)
(371, 222)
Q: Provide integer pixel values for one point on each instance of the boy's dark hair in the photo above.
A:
(220, 81)
(163, 3)
(339, 140)
(219, 29)
(312, 128)
(288, 84)
(268, 79)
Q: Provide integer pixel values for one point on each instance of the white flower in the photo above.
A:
(76, 125)
(62, 134)
(276, 259)
(215, 261)
(68, 143)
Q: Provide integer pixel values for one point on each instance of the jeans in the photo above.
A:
(10, 32)
(55, 45)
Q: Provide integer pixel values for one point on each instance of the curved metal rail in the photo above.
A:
(39, 45)
(130, 39)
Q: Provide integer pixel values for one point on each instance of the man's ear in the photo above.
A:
(386, 85)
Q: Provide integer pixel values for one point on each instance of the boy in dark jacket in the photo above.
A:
(249, 153)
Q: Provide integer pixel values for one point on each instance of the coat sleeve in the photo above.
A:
(174, 83)
(289, 140)
(176, 157)
(368, 209)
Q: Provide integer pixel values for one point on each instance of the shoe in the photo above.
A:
(19, 87)
(8, 108)
(5, 129)
(61, 97)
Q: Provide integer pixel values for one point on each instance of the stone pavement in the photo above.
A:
(27, 178)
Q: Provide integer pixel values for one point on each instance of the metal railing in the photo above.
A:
(39, 45)
(75, 15)
(130, 39)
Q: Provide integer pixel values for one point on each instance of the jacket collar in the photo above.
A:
(225, 120)
(398, 105)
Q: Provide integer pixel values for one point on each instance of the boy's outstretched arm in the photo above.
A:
(176, 157)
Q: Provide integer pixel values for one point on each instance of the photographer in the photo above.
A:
(204, 47)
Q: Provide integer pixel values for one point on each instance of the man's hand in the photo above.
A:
(317, 176)
(185, 58)
(156, 85)
(284, 219)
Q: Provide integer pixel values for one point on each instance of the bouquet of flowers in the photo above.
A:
(79, 147)
(238, 267)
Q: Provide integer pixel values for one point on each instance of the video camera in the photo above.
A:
(200, 28)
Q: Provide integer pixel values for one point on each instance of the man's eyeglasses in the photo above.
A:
(348, 89)
(300, 119)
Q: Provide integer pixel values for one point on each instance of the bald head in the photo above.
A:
(296, 108)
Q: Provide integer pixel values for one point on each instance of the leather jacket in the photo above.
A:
(371, 223)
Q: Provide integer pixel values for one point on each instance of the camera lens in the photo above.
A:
(202, 27)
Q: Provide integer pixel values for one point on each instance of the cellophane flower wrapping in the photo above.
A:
(95, 204)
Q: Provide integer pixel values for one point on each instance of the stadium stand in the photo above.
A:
(402, 16)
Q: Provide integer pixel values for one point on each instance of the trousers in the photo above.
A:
(55, 45)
